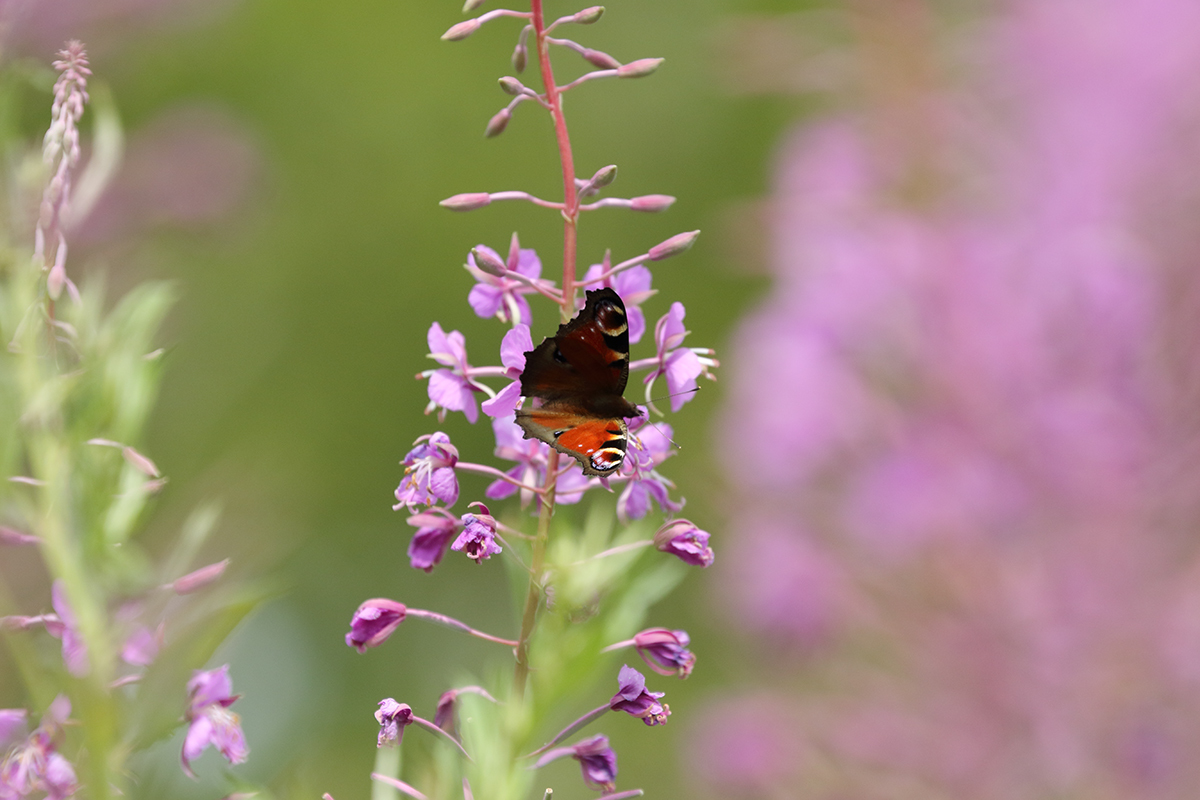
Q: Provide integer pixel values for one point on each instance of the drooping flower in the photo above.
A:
(393, 718)
(373, 622)
(74, 650)
(599, 763)
(478, 537)
(665, 651)
(516, 343)
(450, 388)
(435, 531)
(633, 286)
(633, 699)
(428, 473)
(681, 538)
(210, 722)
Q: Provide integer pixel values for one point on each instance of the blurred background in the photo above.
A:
(948, 264)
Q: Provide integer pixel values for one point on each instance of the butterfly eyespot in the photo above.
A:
(559, 357)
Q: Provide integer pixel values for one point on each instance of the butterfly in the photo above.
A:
(575, 381)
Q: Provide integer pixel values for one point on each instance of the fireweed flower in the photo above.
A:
(74, 651)
(633, 699)
(665, 651)
(680, 365)
(373, 622)
(435, 530)
(516, 343)
(142, 646)
(645, 485)
(478, 537)
(450, 389)
(681, 538)
(633, 285)
(210, 722)
(599, 763)
(428, 473)
(393, 718)
(502, 296)
(530, 469)
(36, 766)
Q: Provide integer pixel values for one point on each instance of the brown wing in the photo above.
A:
(597, 444)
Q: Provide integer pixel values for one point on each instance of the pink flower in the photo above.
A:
(680, 365)
(530, 469)
(516, 343)
(210, 722)
(478, 537)
(435, 531)
(633, 285)
(373, 622)
(428, 473)
(36, 766)
(393, 718)
(651, 447)
(450, 389)
(633, 699)
(503, 296)
(665, 651)
(682, 539)
(74, 650)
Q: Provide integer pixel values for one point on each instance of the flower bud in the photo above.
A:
(198, 579)
(461, 31)
(471, 5)
(681, 538)
(488, 262)
(466, 202)
(679, 243)
(604, 176)
(639, 68)
(13, 536)
(373, 622)
(55, 281)
(519, 57)
(140, 462)
(511, 86)
(652, 202)
(588, 15)
(599, 59)
(498, 123)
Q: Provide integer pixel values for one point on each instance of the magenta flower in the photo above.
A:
(450, 388)
(665, 651)
(502, 296)
(530, 469)
(393, 718)
(435, 531)
(210, 722)
(36, 766)
(74, 651)
(444, 716)
(681, 365)
(478, 537)
(645, 486)
(599, 763)
(141, 647)
(373, 622)
(12, 724)
(428, 473)
(683, 539)
(516, 343)
(633, 699)
(633, 285)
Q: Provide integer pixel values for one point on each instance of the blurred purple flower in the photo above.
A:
(633, 286)
(210, 722)
(651, 447)
(74, 650)
(428, 473)
(478, 537)
(435, 530)
(36, 766)
(393, 718)
(141, 647)
(373, 622)
(633, 699)
(682, 539)
(450, 389)
(516, 343)
(503, 296)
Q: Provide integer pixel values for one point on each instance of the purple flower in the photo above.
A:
(450, 389)
(373, 622)
(478, 537)
(428, 473)
(599, 763)
(502, 296)
(393, 718)
(435, 530)
(142, 646)
(683, 539)
(633, 699)
(12, 724)
(210, 722)
(633, 285)
(665, 651)
(36, 766)
(530, 469)
(516, 343)
(447, 704)
(680, 365)
(74, 651)
(645, 484)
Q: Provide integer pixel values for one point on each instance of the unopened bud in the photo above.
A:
(140, 462)
(461, 31)
(639, 68)
(588, 15)
(511, 86)
(13, 536)
(197, 580)
(498, 123)
(466, 202)
(471, 5)
(600, 59)
(489, 263)
(56, 280)
(677, 244)
(519, 57)
(604, 176)
(651, 202)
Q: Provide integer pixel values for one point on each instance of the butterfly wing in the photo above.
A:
(578, 377)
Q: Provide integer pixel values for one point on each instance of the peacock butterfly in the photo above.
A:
(575, 381)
